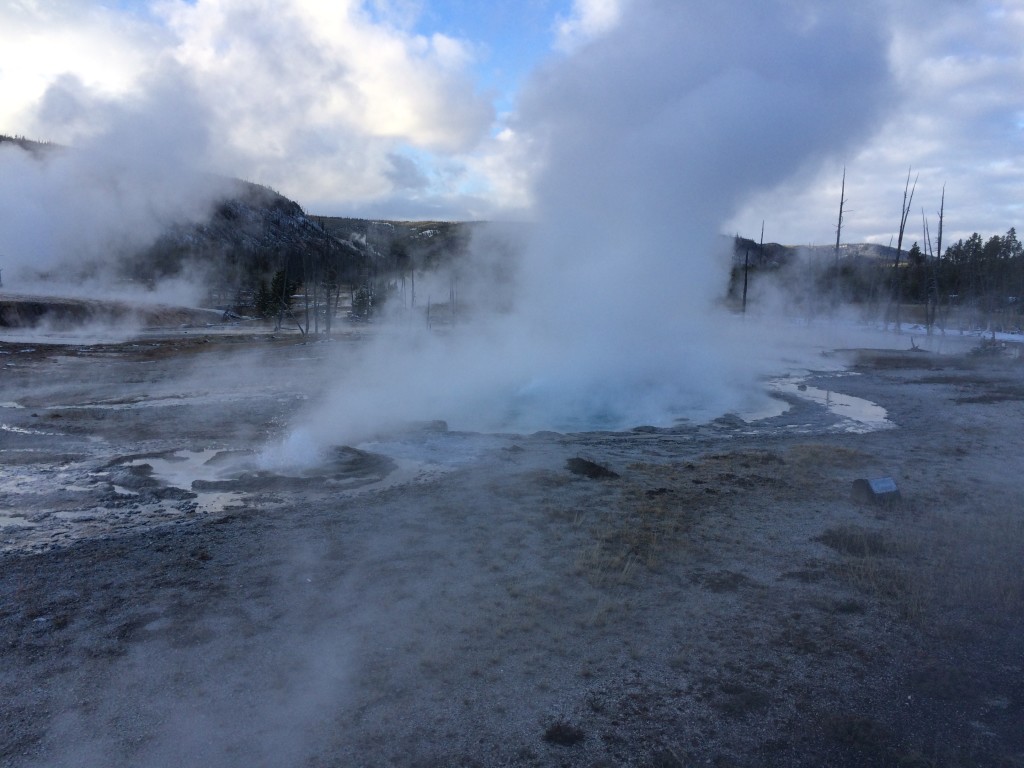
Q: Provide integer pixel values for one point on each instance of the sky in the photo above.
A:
(416, 109)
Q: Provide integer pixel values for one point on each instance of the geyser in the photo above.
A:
(650, 138)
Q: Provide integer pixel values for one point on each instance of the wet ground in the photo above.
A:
(445, 598)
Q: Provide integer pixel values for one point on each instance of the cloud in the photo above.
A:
(316, 98)
(589, 19)
(42, 42)
(312, 98)
(956, 116)
(405, 174)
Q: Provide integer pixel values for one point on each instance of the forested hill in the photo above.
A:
(249, 236)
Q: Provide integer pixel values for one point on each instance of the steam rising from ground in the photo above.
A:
(138, 166)
(651, 138)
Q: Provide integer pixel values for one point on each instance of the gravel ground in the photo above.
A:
(442, 598)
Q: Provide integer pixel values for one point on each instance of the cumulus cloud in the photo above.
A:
(315, 97)
(312, 98)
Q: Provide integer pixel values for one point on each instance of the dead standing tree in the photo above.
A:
(932, 294)
(746, 274)
(839, 232)
(908, 198)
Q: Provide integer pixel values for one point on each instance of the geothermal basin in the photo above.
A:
(431, 596)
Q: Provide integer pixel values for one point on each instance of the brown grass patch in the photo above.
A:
(817, 455)
(999, 393)
(856, 541)
(637, 532)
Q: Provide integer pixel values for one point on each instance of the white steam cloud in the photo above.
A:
(137, 167)
(651, 137)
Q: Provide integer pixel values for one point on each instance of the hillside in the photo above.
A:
(257, 248)
(773, 255)
(248, 237)
(250, 234)
(404, 245)
(253, 234)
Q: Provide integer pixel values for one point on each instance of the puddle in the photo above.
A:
(857, 414)
(24, 431)
(222, 478)
(773, 408)
(82, 501)
(183, 468)
(184, 399)
(78, 515)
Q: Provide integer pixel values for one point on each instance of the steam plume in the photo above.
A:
(651, 137)
(135, 169)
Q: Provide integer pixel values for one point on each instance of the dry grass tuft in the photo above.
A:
(938, 568)
(974, 563)
(879, 566)
(817, 455)
(636, 533)
(857, 542)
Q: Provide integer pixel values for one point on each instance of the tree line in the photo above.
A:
(976, 282)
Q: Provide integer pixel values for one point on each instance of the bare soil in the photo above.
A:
(705, 595)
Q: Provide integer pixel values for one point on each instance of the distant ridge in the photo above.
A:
(772, 255)
(35, 147)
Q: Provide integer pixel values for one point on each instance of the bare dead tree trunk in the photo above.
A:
(330, 280)
(931, 278)
(760, 259)
(908, 197)
(284, 306)
(746, 270)
(306, 269)
(938, 255)
(316, 302)
(877, 279)
(839, 231)
(933, 296)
